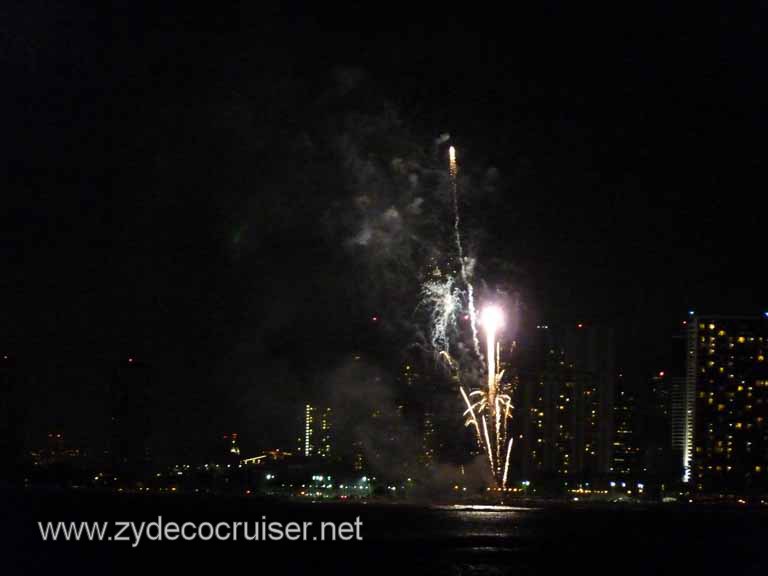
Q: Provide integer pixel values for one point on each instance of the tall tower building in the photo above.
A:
(427, 456)
(625, 459)
(726, 403)
(316, 438)
(668, 428)
(566, 401)
(306, 442)
(325, 432)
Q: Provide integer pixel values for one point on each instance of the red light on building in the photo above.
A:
(661, 374)
(579, 325)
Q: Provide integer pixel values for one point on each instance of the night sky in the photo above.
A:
(171, 191)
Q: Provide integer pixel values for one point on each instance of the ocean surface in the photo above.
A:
(396, 539)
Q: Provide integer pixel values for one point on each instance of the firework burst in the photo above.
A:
(442, 297)
(488, 409)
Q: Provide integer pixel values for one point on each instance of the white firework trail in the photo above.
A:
(488, 443)
(506, 463)
(465, 276)
(470, 414)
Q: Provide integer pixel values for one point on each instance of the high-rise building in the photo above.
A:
(726, 402)
(316, 438)
(306, 441)
(427, 456)
(667, 421)
(325, 432)
(564, 423)
(358, 456)
(625, 459)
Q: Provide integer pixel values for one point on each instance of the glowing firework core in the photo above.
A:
(492, 319)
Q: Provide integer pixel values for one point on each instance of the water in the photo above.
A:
(397, 539)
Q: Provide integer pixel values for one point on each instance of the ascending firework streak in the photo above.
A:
(453, 170)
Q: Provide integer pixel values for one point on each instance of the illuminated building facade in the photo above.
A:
(727, 403)
(306, 442)
(667, 426)
(564, 424)
(625, 459)
(358, 456)
(317, 431)
(428, 440)
(325, 432)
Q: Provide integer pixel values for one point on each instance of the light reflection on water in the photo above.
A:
(482, 520)
(486, 508)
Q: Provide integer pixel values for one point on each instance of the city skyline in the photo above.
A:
(574, 418)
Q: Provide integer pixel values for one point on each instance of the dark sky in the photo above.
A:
(158, 202)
